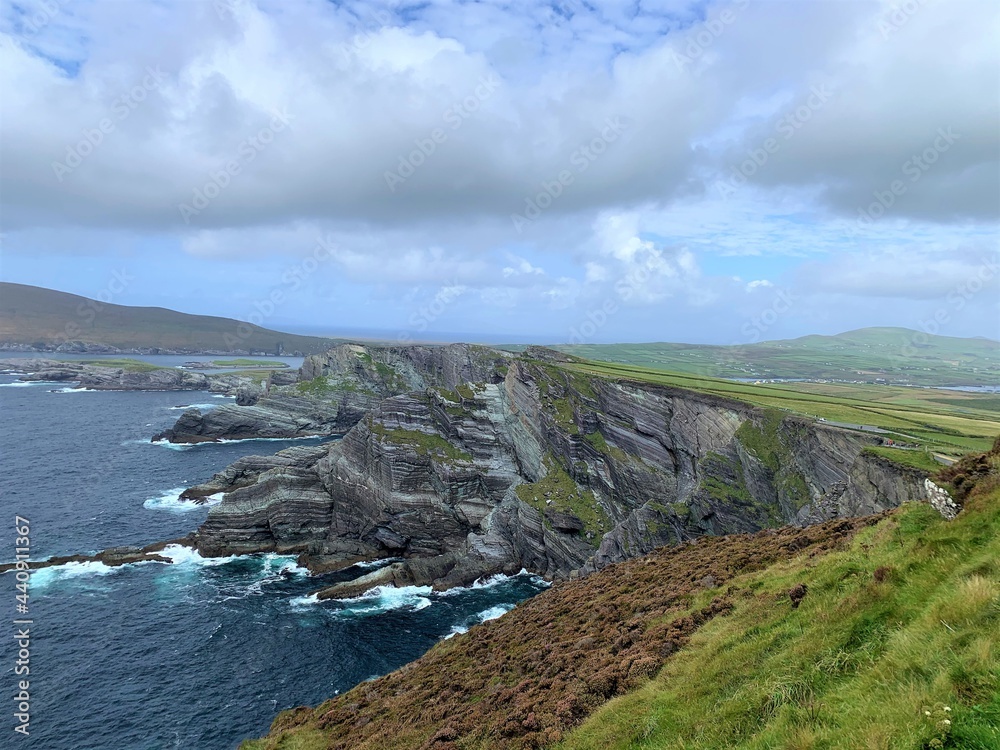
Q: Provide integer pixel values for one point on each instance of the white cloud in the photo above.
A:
(514, 89)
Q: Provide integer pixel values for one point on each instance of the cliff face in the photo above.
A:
(537, 466)
(334, 390)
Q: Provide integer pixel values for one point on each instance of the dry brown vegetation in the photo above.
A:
(522, 681)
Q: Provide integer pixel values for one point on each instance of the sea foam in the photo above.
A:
(387, 598)
(170, 500)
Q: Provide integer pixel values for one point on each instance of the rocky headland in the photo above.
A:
(109, 377)
(464, 461)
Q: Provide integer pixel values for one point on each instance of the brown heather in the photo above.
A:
(525, 679)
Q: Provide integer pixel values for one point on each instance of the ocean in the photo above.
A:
(197, 654)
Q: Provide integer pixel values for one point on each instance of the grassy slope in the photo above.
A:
(946, 421)
(904, 623)
(898, 632)
(891, 353)
(129, 365)
(31, 314)
(522, 680)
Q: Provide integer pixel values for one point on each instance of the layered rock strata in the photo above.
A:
(540, 466)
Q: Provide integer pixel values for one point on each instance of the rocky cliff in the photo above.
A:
(486, 463)
(111, 377)
(334, 390)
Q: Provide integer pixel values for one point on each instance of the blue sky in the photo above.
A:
(510, 170)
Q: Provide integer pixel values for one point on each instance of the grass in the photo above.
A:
(128, 365)
(905, 621)
(424, 443)
(557, 491)
(966, 422)
(523, 680)
(915, 458)
(879, 633)
(243, 362)
(886, 354)
(319, 386)
(323, 387)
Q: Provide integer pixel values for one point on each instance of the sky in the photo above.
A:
(587, 172)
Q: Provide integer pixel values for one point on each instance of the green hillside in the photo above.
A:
(896, 644)
(894, 355)
(858, 634)
(45, 318)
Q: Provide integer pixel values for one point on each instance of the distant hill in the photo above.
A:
(893, 355)
(46, 319)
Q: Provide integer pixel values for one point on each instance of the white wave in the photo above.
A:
(30, 383)
(178, 554)
(487, 582)
(75, 390)
(274, 566)
(225, 441)
(203, 407)
(455, 630)
(490, 581)
(171, 501)
(282, 564)
(368, 564)
(301, 602)
(494, 612)
(44, 576)
(221, 395)
(387, 598)
(171, 446)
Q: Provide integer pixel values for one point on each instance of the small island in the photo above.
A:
(241, 363)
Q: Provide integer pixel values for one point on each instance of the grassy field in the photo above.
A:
(896, 355)
(895, 645)
(129, 365)
(949, 422)
(242, 362)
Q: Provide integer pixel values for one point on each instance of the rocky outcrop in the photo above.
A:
(102, 378)
(545, 468)
(334, 390)
(112, 557)
(246, 470)
(284, 415)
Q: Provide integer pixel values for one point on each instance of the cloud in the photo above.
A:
(409, 135)
(910, 273)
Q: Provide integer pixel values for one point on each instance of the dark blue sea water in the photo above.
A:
(197, 654)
